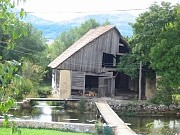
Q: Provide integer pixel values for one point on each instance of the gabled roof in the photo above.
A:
(83, 41)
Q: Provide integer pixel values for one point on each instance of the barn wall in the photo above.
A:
(89, 58)
(77, 80)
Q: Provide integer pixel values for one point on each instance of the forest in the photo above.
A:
(25, 54)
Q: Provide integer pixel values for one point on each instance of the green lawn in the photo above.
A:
(25, 131)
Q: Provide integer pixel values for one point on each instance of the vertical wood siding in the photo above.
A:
(77, 80)
(89, 58)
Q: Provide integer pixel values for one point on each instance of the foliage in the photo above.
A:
(129, 65)
(33, 72)
(156, 41)
(164, 130)
(99, 127)
(81, 105)
(24, 89)
(29, 46)
(163, 96)
(176, 98)
(8, 81)
(43, 90)
(26, 131)
(8, 69)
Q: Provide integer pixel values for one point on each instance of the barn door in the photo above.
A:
(65, 84)
(106, 87)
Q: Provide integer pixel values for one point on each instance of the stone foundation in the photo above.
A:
(143, 108)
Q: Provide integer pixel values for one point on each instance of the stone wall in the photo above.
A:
(75, 127)
(143, 108)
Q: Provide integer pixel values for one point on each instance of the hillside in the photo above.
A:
(52, 29)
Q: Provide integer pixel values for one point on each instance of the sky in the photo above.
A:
(62, 10)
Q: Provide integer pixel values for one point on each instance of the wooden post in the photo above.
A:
(140, 77)
(84, 84)
(113, 87)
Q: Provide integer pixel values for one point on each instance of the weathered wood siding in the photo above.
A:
(77, 80)
(89, 58)
(106, 87)
(65, 84)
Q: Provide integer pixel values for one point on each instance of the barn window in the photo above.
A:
(108, 60)
(122, 47)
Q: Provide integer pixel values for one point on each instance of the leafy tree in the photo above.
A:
(8, 69)
(165, 55)
(156, 40)
(28, 46)
(156, 43)
(129, 65)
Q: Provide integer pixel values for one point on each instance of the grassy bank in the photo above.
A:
(26, 131)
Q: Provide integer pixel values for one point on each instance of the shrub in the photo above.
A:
(81, 105)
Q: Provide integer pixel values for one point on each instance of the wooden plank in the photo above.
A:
(77, 80)
(65, 84)
(50, 99)
(112, 119)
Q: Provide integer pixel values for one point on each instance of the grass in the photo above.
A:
(26, 131)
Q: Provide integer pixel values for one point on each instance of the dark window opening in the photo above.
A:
(91, 83)
(107, 60)
(122, 47)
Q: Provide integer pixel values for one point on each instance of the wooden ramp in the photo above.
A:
(113, 119)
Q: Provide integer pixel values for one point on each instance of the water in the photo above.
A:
(46, 113)
(154, 125)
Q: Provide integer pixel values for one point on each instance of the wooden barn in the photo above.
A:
(88, 67)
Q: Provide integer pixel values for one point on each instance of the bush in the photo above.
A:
(81, 105)
(162, 96)
(24, 89)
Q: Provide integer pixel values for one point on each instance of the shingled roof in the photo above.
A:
(83, 41)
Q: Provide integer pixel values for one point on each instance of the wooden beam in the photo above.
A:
(140, 78)
(84, 84)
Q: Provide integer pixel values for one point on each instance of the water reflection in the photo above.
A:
(44, 112)
(162, 125)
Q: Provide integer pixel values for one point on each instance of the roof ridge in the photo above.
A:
(83, 41)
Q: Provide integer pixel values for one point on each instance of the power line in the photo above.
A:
(80, 12)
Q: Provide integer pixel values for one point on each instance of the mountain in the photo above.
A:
(52, 29)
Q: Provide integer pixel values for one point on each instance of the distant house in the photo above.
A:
(89, 65)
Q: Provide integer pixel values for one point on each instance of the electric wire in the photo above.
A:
(80, 12)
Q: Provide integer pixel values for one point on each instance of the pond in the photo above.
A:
(47, 113)
(144, 125)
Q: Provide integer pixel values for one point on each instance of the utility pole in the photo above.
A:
(140, 78)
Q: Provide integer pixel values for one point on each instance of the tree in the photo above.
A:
(155, 38)
(165, 55)
(155, 42)
(28, 46)
(8, 69)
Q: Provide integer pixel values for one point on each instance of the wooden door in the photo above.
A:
(65, 84)
(106, 87)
